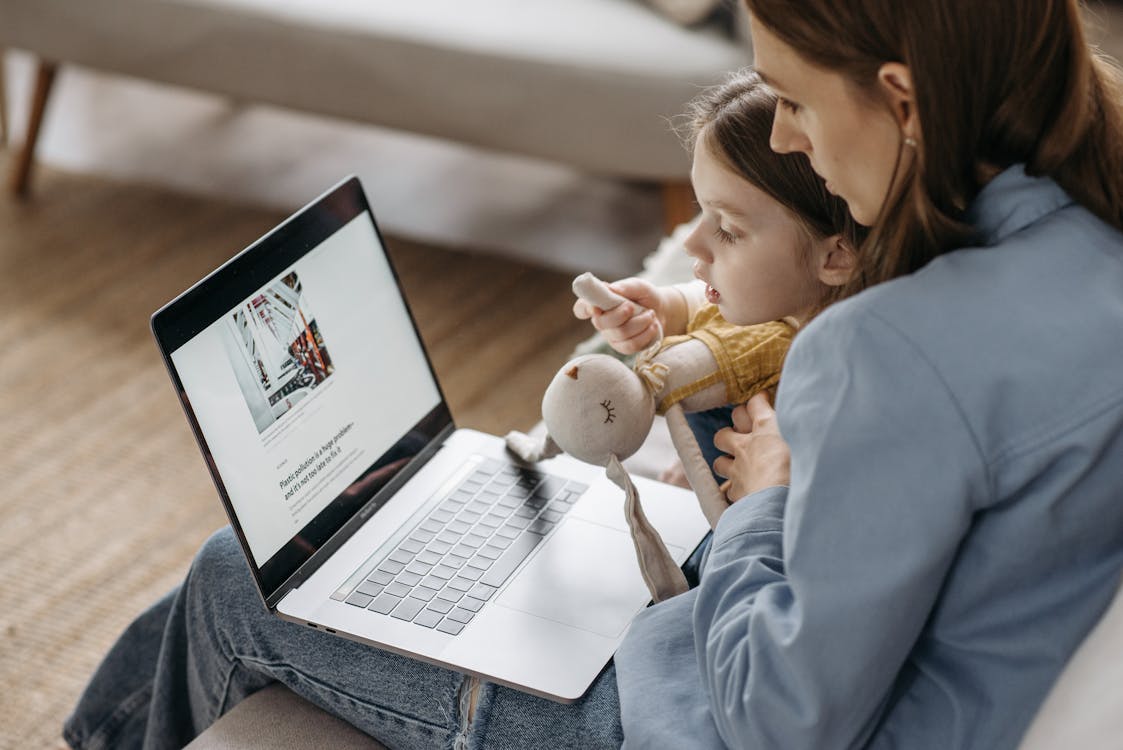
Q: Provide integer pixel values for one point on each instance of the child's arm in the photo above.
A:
(637, 313)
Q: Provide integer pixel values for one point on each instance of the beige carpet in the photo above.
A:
(104, 497)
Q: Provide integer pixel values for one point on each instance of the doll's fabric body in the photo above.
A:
(749, 358)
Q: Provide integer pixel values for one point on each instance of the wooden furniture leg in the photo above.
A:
(678, 205)
(3, 99)
(21, 168)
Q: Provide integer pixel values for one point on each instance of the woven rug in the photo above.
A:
(105, 497)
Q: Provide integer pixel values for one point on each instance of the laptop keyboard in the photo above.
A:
(454, 560)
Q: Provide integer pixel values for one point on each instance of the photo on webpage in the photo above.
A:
(276, 350)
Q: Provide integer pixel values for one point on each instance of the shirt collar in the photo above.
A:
(1012, 201)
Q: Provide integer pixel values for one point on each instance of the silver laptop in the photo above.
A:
(362, 510)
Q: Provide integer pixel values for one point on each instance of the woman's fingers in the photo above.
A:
(760, 410)
(742, 422)
(757, 411)
(723, 465)
(754, 459)
(725, 440)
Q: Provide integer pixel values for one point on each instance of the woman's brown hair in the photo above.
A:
(734, 121)
(997, 83)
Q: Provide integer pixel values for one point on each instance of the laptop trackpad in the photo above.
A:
(585, 576)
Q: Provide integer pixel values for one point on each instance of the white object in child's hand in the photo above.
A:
(623, 335)
(597, 293)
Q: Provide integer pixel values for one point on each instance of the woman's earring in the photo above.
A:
(910, 141)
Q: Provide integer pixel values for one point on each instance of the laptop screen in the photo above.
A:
(302, 372)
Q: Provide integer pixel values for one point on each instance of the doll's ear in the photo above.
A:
(835, 260)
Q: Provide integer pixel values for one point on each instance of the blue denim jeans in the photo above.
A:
(210, 643)
(704, 425)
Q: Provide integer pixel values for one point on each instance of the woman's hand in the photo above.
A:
(758, 456)
(634, 325)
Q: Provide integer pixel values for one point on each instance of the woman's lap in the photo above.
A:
(215, 643)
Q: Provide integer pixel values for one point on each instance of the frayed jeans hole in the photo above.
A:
(469, 698)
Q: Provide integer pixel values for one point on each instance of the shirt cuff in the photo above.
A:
(761, 511)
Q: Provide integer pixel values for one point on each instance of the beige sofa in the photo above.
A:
(588, 83)
(278, 719)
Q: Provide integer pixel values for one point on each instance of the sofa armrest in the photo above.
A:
(277, 718)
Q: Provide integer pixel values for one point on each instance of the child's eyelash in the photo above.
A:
(724, 236)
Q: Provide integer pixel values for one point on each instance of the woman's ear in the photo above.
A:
(895, 81)
(835, 260)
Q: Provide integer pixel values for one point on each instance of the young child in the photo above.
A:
(771, 244)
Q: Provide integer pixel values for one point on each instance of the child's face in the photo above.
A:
(749, 250)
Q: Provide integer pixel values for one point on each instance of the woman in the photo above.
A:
(952, 526)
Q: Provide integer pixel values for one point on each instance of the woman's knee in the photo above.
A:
(219, 570)
(217, 553)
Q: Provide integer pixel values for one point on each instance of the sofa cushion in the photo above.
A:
(277, 718)
(585, 82)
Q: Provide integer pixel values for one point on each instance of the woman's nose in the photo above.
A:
(786, 137)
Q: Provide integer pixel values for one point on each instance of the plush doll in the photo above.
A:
(600, 411)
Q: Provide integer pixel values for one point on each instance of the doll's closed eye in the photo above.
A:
(609, 412)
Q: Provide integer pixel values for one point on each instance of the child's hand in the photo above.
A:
(634, 325)
(759, 456)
